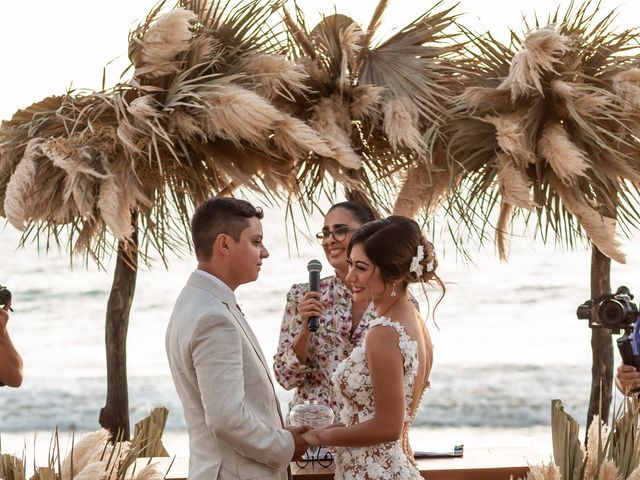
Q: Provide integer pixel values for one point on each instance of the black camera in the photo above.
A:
(616, 312)
(5, 296)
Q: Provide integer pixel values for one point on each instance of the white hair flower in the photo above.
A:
(416, 267)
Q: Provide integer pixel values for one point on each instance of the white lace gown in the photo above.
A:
(352, 381)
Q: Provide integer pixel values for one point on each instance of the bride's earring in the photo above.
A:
(393, 292)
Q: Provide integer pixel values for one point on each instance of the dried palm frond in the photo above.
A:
(378, 106)
(202, 115)
(567, 453)
(147, 438)
(624, 451)
(11, 467)
(559, 103)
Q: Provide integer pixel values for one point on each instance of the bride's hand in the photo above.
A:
(334, 425)
(312, 437)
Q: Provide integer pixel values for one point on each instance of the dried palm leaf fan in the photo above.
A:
(379, 106)
(120, 170)
(194, 120)
(548, 126)
(11, 467)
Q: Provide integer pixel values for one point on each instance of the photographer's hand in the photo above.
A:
(4, 318)
(627, 379)
(10, 360)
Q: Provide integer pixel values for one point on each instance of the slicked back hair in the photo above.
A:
(358, 210)
(220, 215)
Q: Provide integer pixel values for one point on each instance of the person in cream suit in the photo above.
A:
(233, 418)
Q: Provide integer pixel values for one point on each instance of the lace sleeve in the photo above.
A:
(288, 370)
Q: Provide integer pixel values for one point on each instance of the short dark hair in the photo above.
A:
(358, 210)
(220, 215)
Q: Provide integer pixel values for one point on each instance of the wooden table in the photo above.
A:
(476, 464)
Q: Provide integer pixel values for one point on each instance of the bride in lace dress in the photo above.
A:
(381, 383)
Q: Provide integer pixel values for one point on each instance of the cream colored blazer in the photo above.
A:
(222, 378)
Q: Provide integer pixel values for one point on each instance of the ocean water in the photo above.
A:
(507, 339)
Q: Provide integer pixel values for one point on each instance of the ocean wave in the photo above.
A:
(497, 395)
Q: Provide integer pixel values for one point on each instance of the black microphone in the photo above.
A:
(314, 267)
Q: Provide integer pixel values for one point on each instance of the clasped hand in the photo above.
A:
(317, 436)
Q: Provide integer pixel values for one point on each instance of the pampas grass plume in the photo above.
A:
(401, 125)
(564, 157)
(169, 35)
(16, 201)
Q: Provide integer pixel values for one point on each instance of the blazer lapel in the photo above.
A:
(256, 347)
(229, 301)
(249, 334)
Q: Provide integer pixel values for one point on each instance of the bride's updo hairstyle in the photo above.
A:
(392, 244)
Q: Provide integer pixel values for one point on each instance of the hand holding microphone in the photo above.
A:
(314, 267)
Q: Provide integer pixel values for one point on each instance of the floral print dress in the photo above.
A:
(352, 379)
(330, 345)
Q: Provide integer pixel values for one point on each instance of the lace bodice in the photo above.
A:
(352, 380)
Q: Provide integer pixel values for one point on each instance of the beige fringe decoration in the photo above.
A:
(204, 49)
(365, 100)
(186, 125)
(600, 230)
(238, 115)
(166, 38)
(142, 108)
(75, 160)
(564, 157)
(564, 90)
(350, 39)
(541, 51)
(512, 137)
(93, 471)
(627, 85)
(297, 139)
(584, 101)
(44, 473)
(591, 466)
(608, 471)
(515, 186)
(423, 187)
(150, 472)
(544, 472)
(127, 135)
(17, 197)
(115, 209)
(276, 76)
(589, 103)
(84, 451)
(503, 231)
(616, 167)
(401, 125)
(331, 121)
(497, 99)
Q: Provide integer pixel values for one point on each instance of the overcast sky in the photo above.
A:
(46, 46)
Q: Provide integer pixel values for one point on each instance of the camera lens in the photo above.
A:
(611, 313)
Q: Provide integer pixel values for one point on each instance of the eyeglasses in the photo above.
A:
(339, 233)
